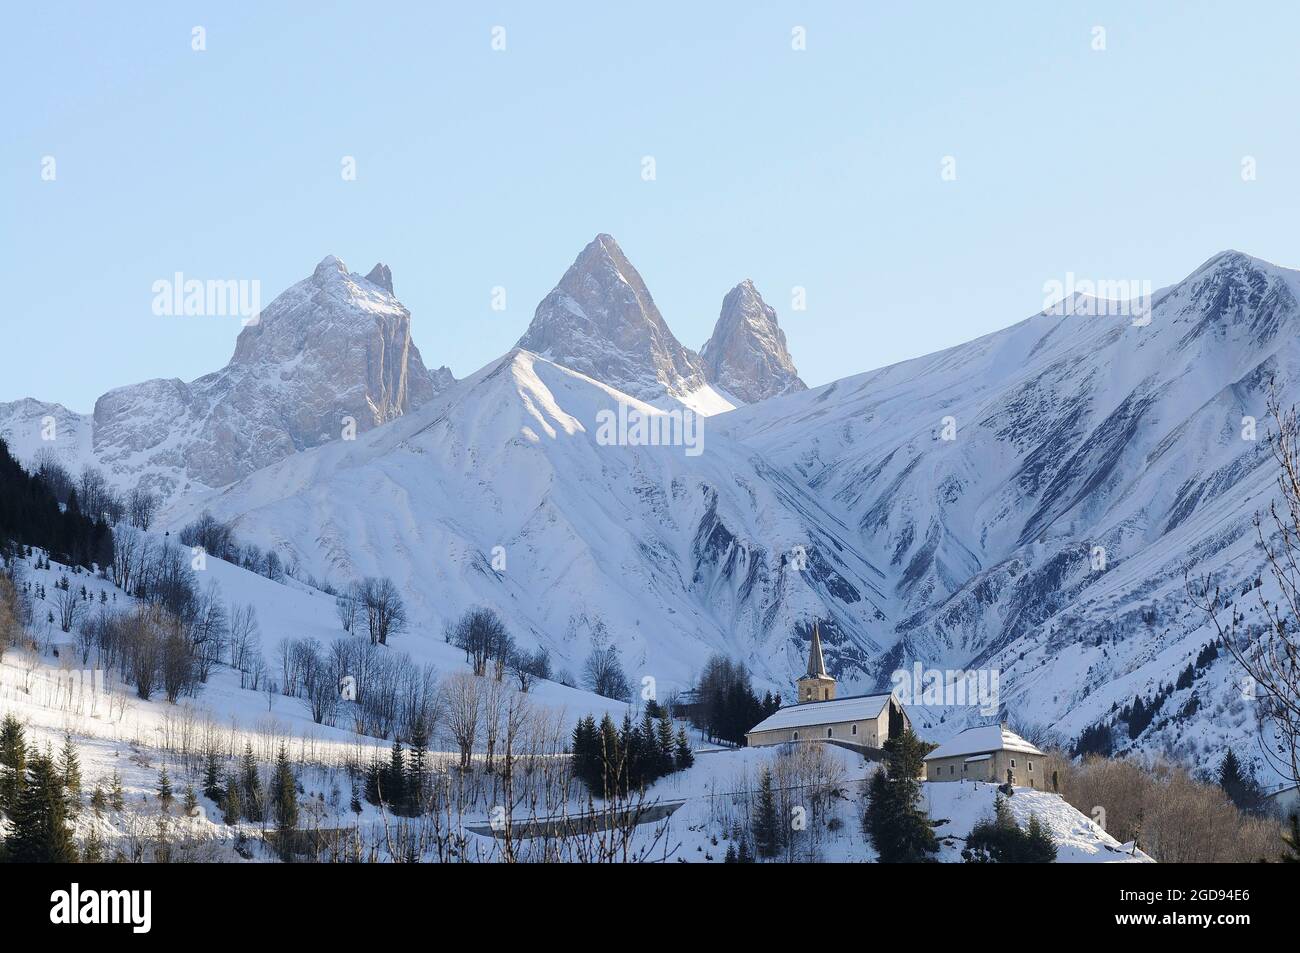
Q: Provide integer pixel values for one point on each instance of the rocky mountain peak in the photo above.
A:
(747, 354)
(329, 267)
(333, 346)
(381, 275)
(600, 320)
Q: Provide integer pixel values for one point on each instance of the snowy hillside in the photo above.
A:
(286, 610)
(666, 554)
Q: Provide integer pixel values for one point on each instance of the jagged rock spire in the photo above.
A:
(382, 276)
(747, 355)
(601, 321)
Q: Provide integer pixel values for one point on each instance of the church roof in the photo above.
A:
(982, 739)
(816, 664)
(853, 708)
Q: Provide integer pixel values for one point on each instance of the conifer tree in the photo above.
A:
(373, 774)
(610, 758)
(1039, 846)
(99, 801)
(70, 771)
(251, 797)
(39, 833)
(164, 788)
(284, 797)
(231, 808)
(685, 757)
(1229, 771)
(743, 854)
(417, 780)
(212, 778)
(393, 780)
(92, 852)
(586, 753)
(898, 827)
(116, 797)
(629, 747)
(191, 801)
(666, 749)
(1238, 783)
(766, 826)
(1000, 840)
(13, 763)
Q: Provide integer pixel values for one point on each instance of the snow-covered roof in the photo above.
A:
(982, 739)
(854, 708)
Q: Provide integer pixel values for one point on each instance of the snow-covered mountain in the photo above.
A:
(1094, 460)
(601, 321)
(668, 555)
(1028, 502)
(747, 354)
(334, 346)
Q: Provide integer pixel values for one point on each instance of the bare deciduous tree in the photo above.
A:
(464, 707)
(141, 508)
(71, 608)
(348, 606)
(604, 675)
(385, 611)
(484, 638)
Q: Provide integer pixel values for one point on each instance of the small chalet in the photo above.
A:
(866, 720)
(987, 753)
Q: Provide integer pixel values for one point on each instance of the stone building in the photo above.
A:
(987, 753)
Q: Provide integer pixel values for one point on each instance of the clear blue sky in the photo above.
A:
(477, 168)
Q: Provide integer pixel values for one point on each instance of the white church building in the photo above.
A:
(866, 720)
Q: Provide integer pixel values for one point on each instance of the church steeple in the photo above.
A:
(817, 685)
(816, 664)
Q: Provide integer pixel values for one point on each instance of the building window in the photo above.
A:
(1031, 767)
(855, 729)
(796, 736)
(952, 769)
(1013, 762)
(830, 732)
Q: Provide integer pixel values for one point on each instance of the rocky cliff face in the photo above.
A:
(747, 354)
(601, 321)
(333, 347)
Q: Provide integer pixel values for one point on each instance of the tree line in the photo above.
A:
(75, 531)
(614, 761)
(726, 705)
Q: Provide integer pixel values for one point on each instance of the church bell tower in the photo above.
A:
(817, 685)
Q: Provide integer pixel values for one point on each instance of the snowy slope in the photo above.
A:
(719, 790)
(666, 554)
(284, 610)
